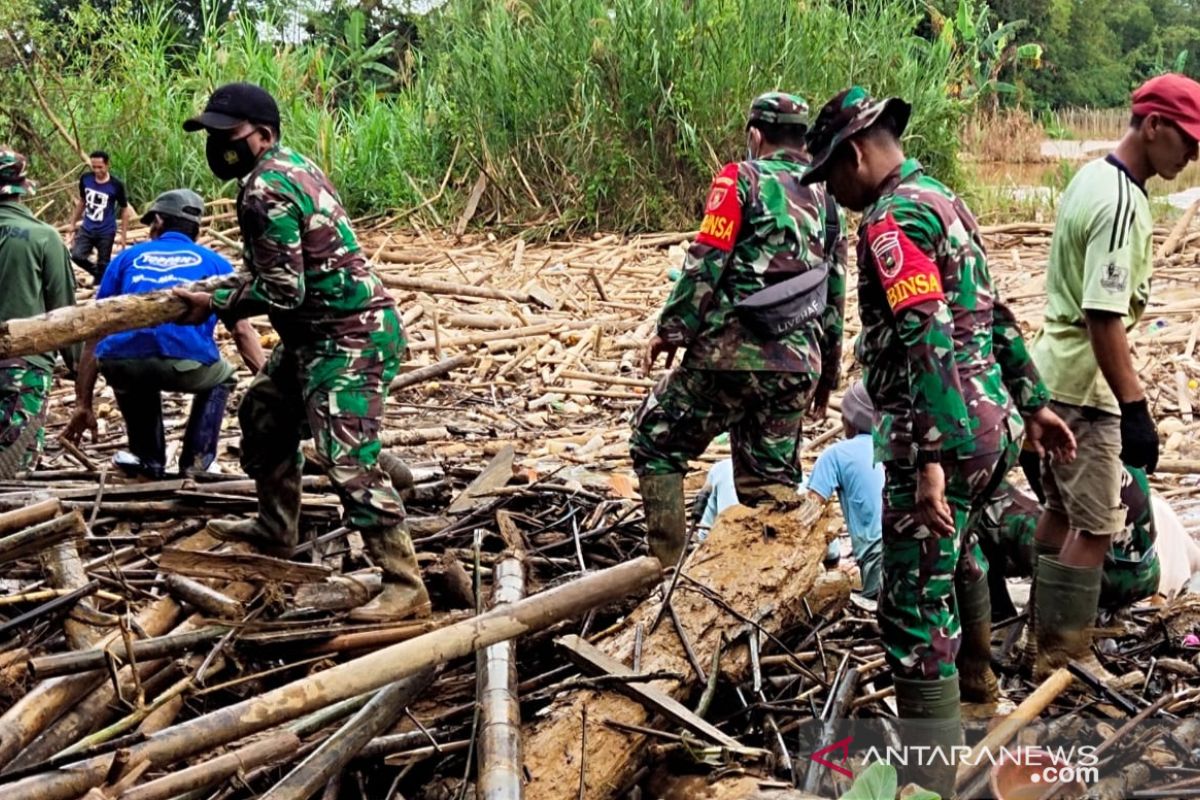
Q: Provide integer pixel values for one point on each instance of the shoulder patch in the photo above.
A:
(722, 211)
(908, 275)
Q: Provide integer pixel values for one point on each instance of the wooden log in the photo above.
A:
(239, 566)
(20, 518)
(377, 716)
(340, 592)
(65, 569)
(216, 770)
(86, 321)
(84, 660)
(423, 374)
(499, 769)
(352, 678)
(41, 537)
(204, 598)
(1010, 726)
(764, 564)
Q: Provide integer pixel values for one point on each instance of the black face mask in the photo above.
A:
(229, 159)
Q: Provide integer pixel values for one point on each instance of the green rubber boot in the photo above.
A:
(276, 529)
(977, 682)
(666, 518)
(931, 717)
(1067, 600)
(1029, 657)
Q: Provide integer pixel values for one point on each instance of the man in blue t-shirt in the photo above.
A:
(101, 204)
(141, 364)
(846, 467)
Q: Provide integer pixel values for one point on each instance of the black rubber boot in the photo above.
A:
(276, 529)
(977, 682)
(203, 432)
(142, 411)
(931, 717)
(1067, 599)
(666, 518)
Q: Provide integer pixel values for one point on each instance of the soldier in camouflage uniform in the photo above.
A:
(950, 378)
(35, 269)
(1006, 526)
(761, 226)
(341, 345)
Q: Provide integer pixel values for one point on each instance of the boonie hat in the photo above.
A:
(857, 408)
(1176, 97)
(850, 111)
(779, 108)
(14, 181)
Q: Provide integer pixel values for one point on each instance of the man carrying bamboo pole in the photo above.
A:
(141, 364)
(950, 379)
(341, 345)
(759, 311)
(1097, 286)
(35, 270)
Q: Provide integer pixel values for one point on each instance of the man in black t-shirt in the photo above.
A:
(94, 224)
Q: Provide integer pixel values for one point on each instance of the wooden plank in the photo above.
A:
(239, 567)
(496, 474)
(593, 661)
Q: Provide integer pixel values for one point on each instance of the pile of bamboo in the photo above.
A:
(138, 659)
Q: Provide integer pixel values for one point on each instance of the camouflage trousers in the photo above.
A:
(761, 410)
(24, 392)
(1006, 528)
(918, 611)
(334, 395)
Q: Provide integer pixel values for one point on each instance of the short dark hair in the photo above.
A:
(782, 135)
(172, 224)
(100, 154)
(1136, 120)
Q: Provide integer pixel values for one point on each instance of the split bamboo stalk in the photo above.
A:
(212, 772)
(500, 776)
(79, 323)
(373, 719)
(351, 678)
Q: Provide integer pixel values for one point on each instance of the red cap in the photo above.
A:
(1176, 97)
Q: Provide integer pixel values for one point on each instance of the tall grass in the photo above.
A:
(580, 112)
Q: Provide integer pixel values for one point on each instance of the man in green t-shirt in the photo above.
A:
(1097, 286)
(35, 270)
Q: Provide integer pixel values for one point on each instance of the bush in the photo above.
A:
(582, 113)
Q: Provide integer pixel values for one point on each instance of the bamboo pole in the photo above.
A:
(1011, 725)
(210, 773)
(41, 536)
(204, 598)
(500, 757)
(20, 518)
(444, 367)
(456, 289)
(85, 660)
(373, 719)
(86, 321)
(351, 678)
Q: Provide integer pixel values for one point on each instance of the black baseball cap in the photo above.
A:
(232, 104)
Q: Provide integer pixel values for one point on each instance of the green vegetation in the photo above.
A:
(1096, 51)
(580, 112)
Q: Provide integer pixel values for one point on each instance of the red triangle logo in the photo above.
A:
(842, 747)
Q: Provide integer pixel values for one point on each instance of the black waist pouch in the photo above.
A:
(783, 307)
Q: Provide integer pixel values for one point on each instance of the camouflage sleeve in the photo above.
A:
(705, 262)
(833, 321)
(272, 219)
(903, 247)
(1020, 375)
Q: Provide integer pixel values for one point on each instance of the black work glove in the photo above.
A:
(1139, 437)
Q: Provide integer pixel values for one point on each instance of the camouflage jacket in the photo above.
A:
(760, 227)
(307, 271)
(944, 359)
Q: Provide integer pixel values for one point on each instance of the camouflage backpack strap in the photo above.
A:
(11, 456)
